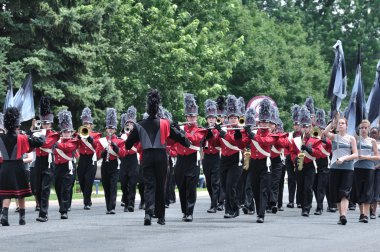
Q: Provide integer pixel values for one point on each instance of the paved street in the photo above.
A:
(95, 231)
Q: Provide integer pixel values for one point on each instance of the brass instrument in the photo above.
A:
(185, 123)
(38, 124)
(108, 147)
(127, 129)
(84, 132)
(247, 157)
(219, 121)
(316, 132)
(241, 121)
(301, 156)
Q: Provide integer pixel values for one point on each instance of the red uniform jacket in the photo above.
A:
(281, 143)
(195, 135)
(51, 138)
(83, 149)
(119, 142)
(228, 145)
(313, 142)
(264, 139)
(209, 147)
(326, 148)
(68, 146)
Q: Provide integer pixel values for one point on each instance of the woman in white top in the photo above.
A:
(364, 170)
(344, 151)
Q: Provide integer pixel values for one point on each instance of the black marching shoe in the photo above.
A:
(228, 216)
(64, 216)
(331, 209)
(220, 207)
(131, 209)
(373, 216)
(161, 221)
(274, 209)
(147, 220)
(42, 219)
(299, 206)
(251, 212)
(236, 213)
(112, 211)
(189, 218)
(166, 205)
(212, 210)
(361, 218)
(122, 204)
(318, 212)
(281, 209)
(290, 205)
(4, 217)
(260, 220)
(86, 207)
(305, 213)
(365, 219)
(342, 220)
(245, 209)
(21, 221)
(142, 205)
(184, 217)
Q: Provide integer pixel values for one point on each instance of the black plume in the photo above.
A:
(153, 102)
(11, 118)
(45, 106)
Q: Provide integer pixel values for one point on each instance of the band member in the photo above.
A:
(304, 152)
(280, 129)
(230, 171)
(13, 179)
(259, 166)
(64, 160)
(248, 204)
(211, 158)
(44, 165)
(109, 149)
(290, 167)
(87, 157)
(277, 158)
(187, 171)
(221, 119)
(364, 170)
(129, 172)
(153, 134)
(374, 133)
(321, 180)
(344, 151)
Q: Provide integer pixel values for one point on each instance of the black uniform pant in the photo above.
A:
(321, 182)
(86, 175)
(155, 166)
(275, 178)
(140, 185)
(63, 184)
(186, 177)
(292, 181)
(230, 173)
(305, 180)
(129, 175)
(110, 176)
(281, 187)
(260, 175)
(170, 183)
(245, 193)
(43, 177)
(211, 171)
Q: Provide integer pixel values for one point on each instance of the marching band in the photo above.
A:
(244, 156)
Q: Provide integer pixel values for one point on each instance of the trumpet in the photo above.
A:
(241, 121)
(218, 121)
(38, 124)
(84, 132)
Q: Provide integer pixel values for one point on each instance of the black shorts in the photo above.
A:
(340, 184)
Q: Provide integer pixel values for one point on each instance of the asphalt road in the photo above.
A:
(95, 231)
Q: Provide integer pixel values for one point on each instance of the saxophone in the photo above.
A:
(301, 155)
(247, 157)
(108, 147)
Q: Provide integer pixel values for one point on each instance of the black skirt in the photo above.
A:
(340, 184)
(13, 180)
(362, 190)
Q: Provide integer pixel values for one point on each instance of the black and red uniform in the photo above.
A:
(110, 167)
(153, 134)
(305, 177)
(129, 175)
(64, 155)
(259, 165)
(211, 162)
(187, 171)
(44, 171)
(321, 181)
